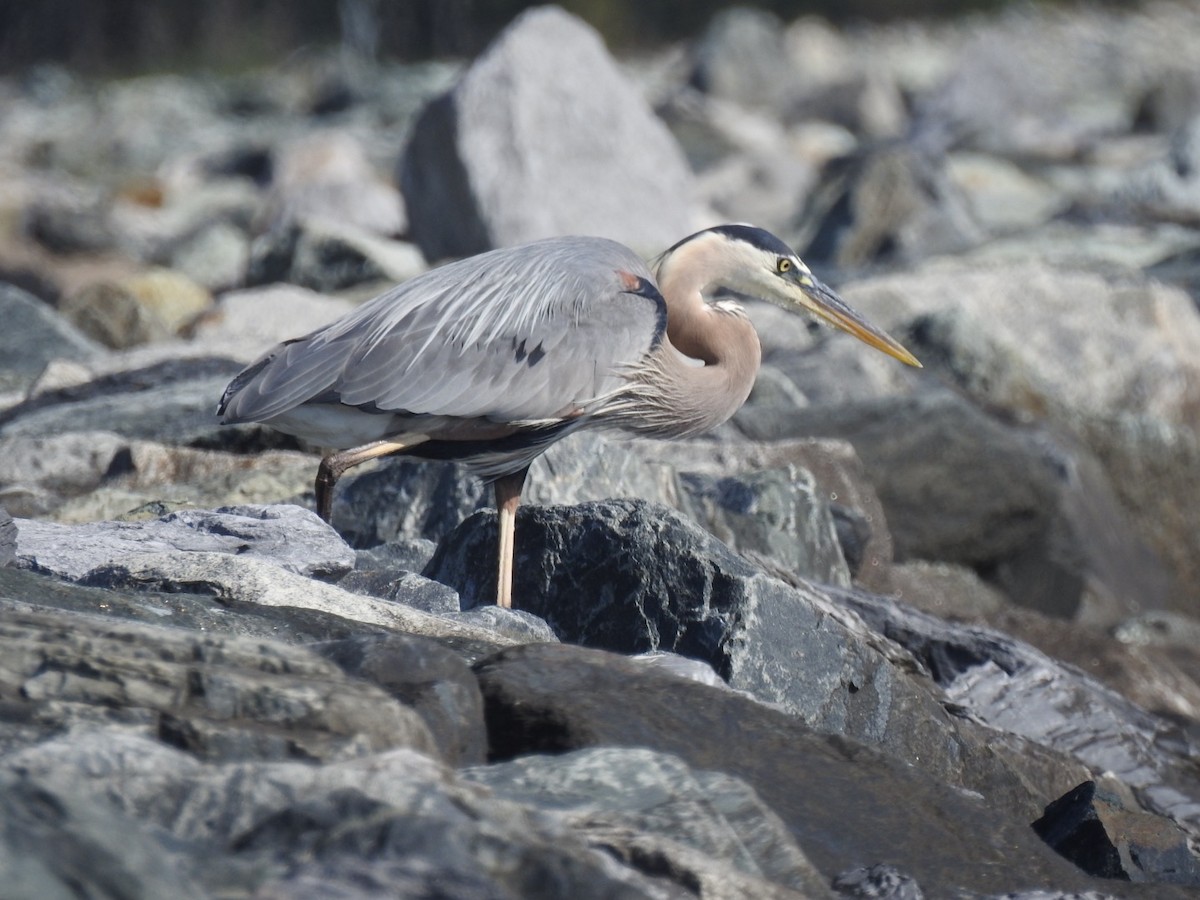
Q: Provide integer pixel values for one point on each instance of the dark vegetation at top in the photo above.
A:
(123, 37)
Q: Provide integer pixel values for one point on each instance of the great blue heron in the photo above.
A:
(490, 359)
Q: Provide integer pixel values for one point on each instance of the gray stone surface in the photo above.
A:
(35, 335)
(631, 577)
(542, 113)
(287, 536)
(1039, 515)
(553, 698)
(609, 790)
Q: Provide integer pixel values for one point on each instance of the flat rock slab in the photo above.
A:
(287, 536)
(218, 696)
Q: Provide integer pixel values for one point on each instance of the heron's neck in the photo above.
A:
(719, 335)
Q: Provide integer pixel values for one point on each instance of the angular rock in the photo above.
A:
(543, 113)
(1015, 689)
(630, 576)
(286, 536)
(409, 498)
(775, 516)
(843, 802)
(1091, 828)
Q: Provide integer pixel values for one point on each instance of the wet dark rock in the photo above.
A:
(546, 97)
(629, 576)
(35, 335)
(287, 536)
(828, 791)
(1095, 831)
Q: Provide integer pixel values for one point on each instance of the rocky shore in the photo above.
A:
(888, 633)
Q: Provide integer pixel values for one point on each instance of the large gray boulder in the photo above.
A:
(543, 136)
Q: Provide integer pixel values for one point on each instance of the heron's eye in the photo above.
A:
(783, 266)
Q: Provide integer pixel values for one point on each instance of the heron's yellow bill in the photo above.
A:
(824, 302)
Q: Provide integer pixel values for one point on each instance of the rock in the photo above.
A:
(1013, 688)
(36, 472)
(412, 498)
(997, 331)
(215, 257)
(543, 113)
(609, 791)
(392, 822)
(1001, 197)
(629, 576)
(245, 324)
(220, 697)
(841, 801)
(1093, 830)
(427, 678)
(8, 538)
(35, 335)
(327, 256)
(887, 204)
(77, 221)
(839, 476)
(774, 516)
(1040, 518)
(742, 57)
(326, 176)
(171, 401)
(111, 315)
(879, 880)
(287, 536)
(52, 842)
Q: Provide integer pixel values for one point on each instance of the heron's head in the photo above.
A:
(754, 262)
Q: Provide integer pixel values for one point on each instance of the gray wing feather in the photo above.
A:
(521, 334)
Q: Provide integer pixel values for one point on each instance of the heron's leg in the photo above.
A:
(508, 498)
(335, 465)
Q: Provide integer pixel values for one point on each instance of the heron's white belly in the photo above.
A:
(334, 426)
